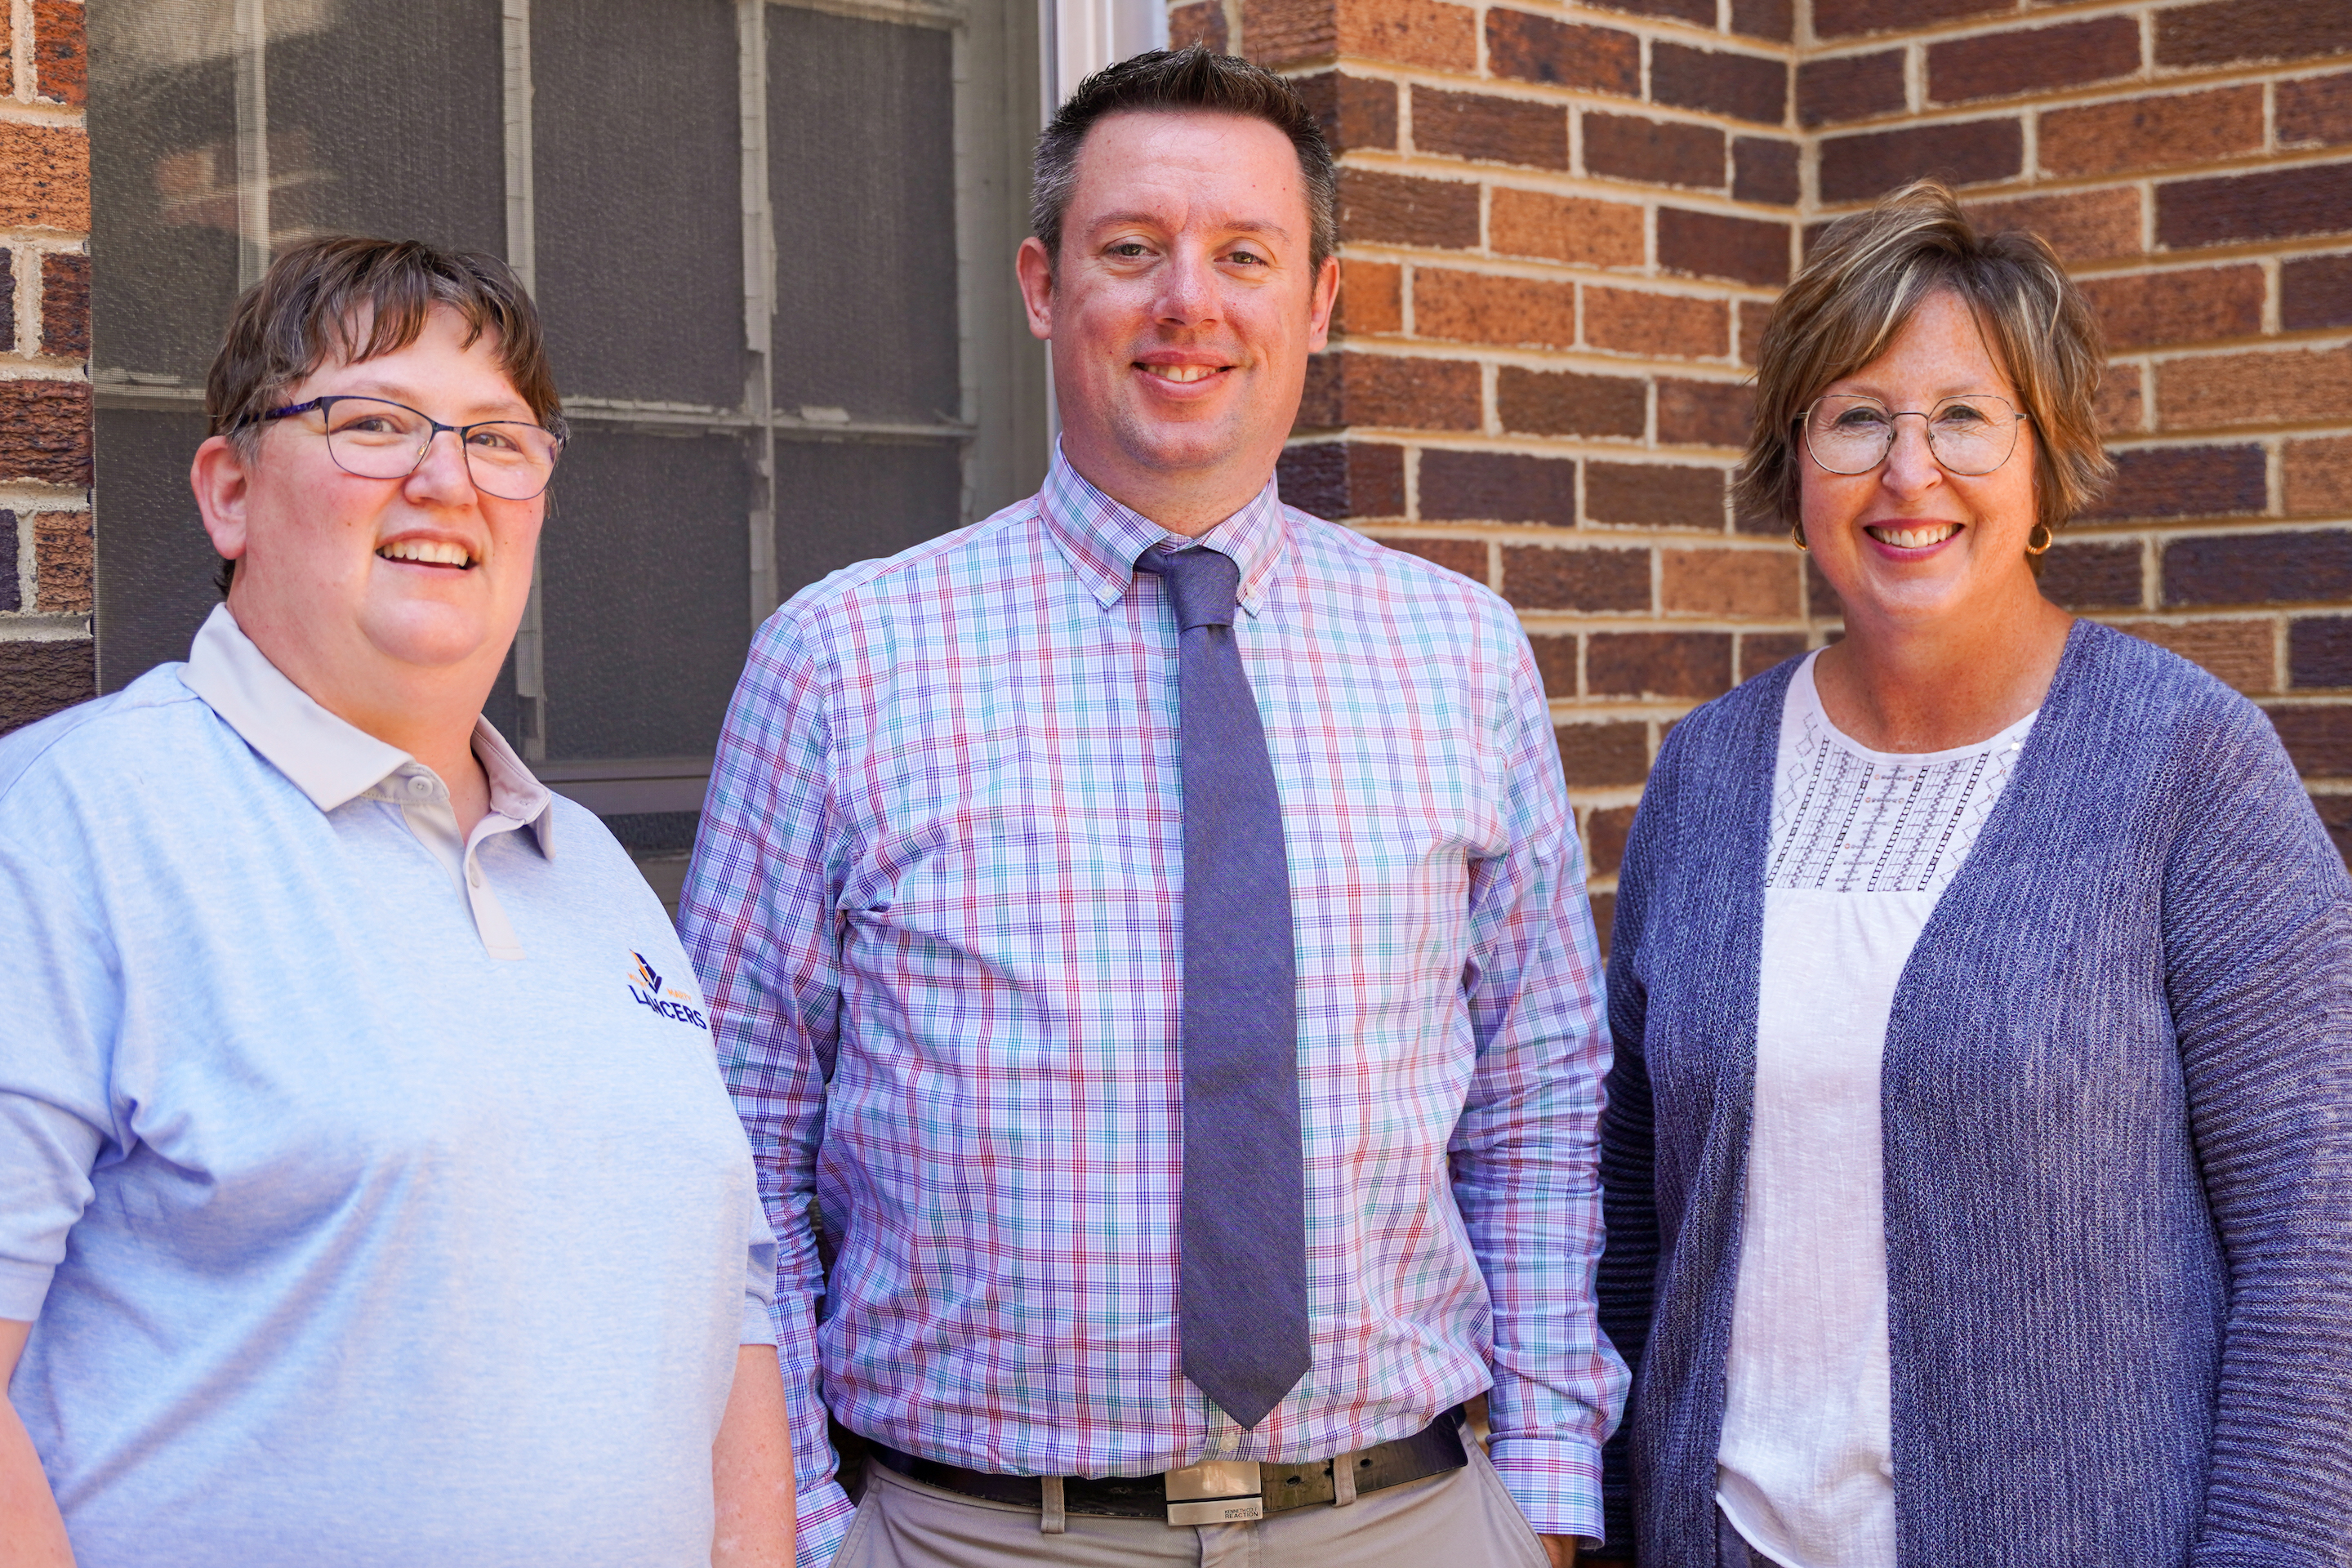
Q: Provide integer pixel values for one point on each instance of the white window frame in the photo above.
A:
(1078, 38)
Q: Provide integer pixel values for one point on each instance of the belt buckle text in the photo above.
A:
(1215, 1491)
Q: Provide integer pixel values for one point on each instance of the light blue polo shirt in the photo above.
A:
(372, 1191)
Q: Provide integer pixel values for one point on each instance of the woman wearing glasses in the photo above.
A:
(368, 1192)
(1978, 1148)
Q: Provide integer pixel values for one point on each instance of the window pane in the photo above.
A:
(163, 156)
(637, 144)
(838, 502)
(861, 144)
(647, 584)
(156, 567)
(385, 118)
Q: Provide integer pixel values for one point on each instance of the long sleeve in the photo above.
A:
(2258, 951)
(2116, 1114)
(1524, 1153)
(944, 841)
(1628, 1274)
(758, 920)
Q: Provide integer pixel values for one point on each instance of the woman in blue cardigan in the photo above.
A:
(1979, 1149)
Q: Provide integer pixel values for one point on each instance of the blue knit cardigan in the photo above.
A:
(2117, 1133)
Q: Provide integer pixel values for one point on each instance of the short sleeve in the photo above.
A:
(59, 1012)
(758, 1273)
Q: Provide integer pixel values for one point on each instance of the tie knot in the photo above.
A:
(1204, 583)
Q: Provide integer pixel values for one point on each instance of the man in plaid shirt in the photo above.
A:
(1148, 928)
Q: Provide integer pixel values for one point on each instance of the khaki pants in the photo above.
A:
(1460, 1520)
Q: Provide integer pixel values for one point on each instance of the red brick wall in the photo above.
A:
(1564, 225)
(46, 655)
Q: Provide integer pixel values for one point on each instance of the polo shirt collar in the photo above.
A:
(1102, 539)
(327, 759)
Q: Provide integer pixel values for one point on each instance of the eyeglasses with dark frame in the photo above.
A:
(1971, 434)
(376, 438)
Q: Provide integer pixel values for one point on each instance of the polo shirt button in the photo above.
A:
(418, 784)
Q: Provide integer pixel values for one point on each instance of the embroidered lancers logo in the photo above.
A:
(646, 987)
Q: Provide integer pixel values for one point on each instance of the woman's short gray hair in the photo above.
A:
(1868, 275)
(1190, 78)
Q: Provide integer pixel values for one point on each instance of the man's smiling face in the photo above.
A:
(1184, 304)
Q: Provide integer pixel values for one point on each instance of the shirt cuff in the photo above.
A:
(1556, 1482)
(821, 1517)
(758, 1327)
(23, 1287)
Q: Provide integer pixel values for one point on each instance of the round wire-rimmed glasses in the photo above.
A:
(1971, 434)
(376, 438)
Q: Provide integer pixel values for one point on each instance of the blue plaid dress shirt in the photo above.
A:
(936, 909)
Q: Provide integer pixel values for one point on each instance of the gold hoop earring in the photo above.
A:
(1797, 532)
(2043, 529)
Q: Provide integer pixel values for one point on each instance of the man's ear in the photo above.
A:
(1327, 295)
(1035, 269)
(223, 484)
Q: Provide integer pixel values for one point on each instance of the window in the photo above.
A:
(773, 244)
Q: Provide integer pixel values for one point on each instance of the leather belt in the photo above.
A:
(1433, 1451)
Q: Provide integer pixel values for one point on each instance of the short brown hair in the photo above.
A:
(312, 304)
(1190, 78)
(1868, 275)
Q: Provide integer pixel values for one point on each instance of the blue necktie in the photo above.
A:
(1243, 1270)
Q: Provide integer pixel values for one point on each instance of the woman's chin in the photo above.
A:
(430, 636)
(1908, 597)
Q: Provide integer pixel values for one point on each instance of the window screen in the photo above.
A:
(384, 117)
(638, 208)
(164, 172)
(644, 557)
(211, 143)
(861, 136)
(773, 247)
(838, 504)
(156, 555)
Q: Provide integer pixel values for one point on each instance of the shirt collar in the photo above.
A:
(327, 759)
(1101, 539)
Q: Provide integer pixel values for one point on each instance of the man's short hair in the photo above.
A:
(1189, 79)
(354, 298)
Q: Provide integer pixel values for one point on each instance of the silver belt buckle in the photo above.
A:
(1215, 1491)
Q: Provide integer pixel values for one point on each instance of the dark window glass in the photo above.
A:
(162, 157)
(155, 566)
(861, 139)
(502, 707)
(638, 180)
(840, 502)
(646, 576)
(662, 833)
(386, 118)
